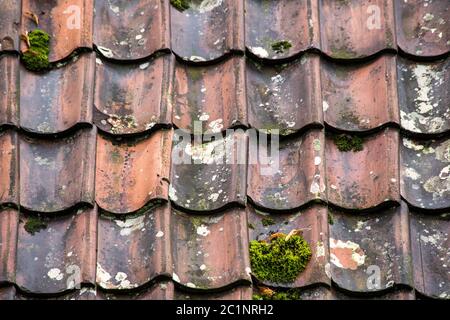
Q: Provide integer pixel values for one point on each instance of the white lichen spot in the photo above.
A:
(426, 79)
(205, 5)
(203, 117)
(173, 193)
(190, 285)
(202, 267)
(106, 52)
(103, 277)
(213, 197)
(159, 234)
(130, 225)
(428, 17)
(259, 52)
(98, 61)
(248, 271)
(175, 277)
(346, 255)
(411, 173)
(320, 250)
(317, 161)
(216, 125)
(196, 59)
(325, 106)
(144, 66)
(203, 230)
(114, 9)
(55, 274)
(412, 145)
(328, 270)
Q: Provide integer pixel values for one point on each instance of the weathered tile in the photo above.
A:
(56, 254)
(9, 168)
(356, 29)
(209, 176)
(367, 178)
(212, 97)
(9, 25)
(198, 261)
(293, 178)
(68, 22)
(57, 174)
(131, 30)
(131, 173)
(422, 27)
(424, 97)
(133, 98)
(162, 290)
(285, 97)
(9, 90)
(9, 222)
(207, 30)
(132, 251)
(425, 172)
(238, 293)
(360, 96)
(281, 29)
(59, 99)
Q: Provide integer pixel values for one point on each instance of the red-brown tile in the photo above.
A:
(8, 293)
(59, 99)
(9, 222)
(57, 174)
(131, 30)
(360, 97)
(425, 173)
(207, 30)
(130, 173)
(199, 263)
(58, 256)
(238, 293)
(268, 22)
(367, 178)
(9, 168)
(68, 22)
(209, 176)
(134, 250)
(9, 90)
(430, 244)
(285, 98)
(9, 25)
(212, 97)
(162, 290)
(424, 96)
(133, 98)
(314, 222)
(370, 252)
(397, 294)
(356, 29)
(422, 27)
(296, 177)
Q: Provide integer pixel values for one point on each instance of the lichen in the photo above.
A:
(34, 224)
(280, 260)
(36, 57)
(269, 294)
(281, 46)
(267, 222)
(346, 143)
(180, 5)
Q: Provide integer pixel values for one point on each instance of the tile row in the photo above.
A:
(125, 175)
(379, 252)
(310, 91)
(209, 30)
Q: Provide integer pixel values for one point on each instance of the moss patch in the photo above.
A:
(267, 222)
(281, 260)
(281, 46)
(348, 143)
(268, 294)
(180, 5)
(330, 219)
(34, 224)
(36, 57)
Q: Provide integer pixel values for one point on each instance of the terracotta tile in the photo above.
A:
(59, 99)
(68, 22)
(430, 244)
(8, 293)
(58, 257)
(292, 180)
(212, 96)
(131, 30)
(133, 98)
(207, 31)
(422, 27)
(360, 97)
(9, 168)
(370, 252)
(286, 98)
(425, 173)
(424, 96)
(198, 262)
(238, 293)
(163, 290)
(209, 176)
(57, 174)
(270, 22)
(9, 25)
(131, 173)
(396, 294)
(314, 222)
(9, 221)
(356, 29)
(134, 250)
(9, 90)
(367, 178)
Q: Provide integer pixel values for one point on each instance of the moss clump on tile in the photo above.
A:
(180, 5)
(36, 57)
(34, 224)
(269, 294)
(267, 222)
(281, 260)
(346, 143)
(281, 46)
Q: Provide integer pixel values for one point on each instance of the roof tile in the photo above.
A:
(9, 25)
(9, 90)
(9, 222)
(9, 168)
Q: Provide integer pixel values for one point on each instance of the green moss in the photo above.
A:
(343, 53)
(36, 57)
(251, 226)
(279, 261)
(346, 143)
(180, 5)
(34, 224)
(267, 222)
(281, 46)
(330, 219)
(291, 294)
